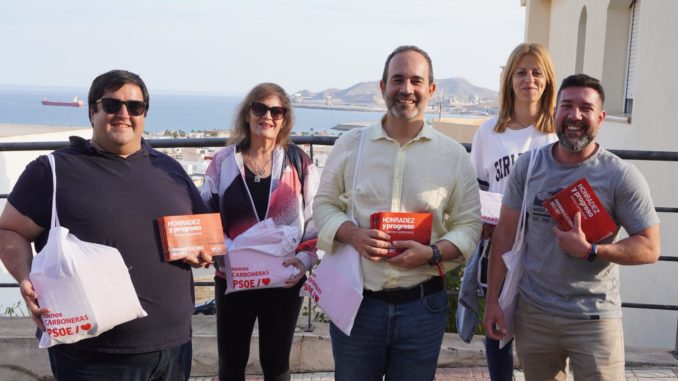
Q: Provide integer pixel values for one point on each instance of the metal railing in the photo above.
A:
(328, 141)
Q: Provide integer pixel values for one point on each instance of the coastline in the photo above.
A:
(463, 111)
(352, 107)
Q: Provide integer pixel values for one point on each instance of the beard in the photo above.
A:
(402, 111)
(576, 144)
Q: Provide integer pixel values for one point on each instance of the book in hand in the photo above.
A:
(189, 234)
(596, 223)
(403, 226)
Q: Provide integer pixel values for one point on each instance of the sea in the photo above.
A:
(168, 111)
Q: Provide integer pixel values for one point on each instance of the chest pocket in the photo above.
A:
(425, 193)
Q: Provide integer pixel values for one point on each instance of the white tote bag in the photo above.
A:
(336, 285)
(255, 257)
(515, 266)
(85, 285)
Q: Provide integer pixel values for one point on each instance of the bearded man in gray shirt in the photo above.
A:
(569, 304)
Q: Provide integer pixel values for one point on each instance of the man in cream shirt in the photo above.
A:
(406, 166)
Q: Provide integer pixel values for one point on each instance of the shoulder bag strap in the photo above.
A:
(294, 156)
(55, 217)
(359, 155)
(520, 234)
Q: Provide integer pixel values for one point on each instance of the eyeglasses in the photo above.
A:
(112, 106)
(259, 109)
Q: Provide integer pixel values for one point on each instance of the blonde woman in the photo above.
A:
(525, 121)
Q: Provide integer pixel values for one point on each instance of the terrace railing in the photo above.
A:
(312, 141)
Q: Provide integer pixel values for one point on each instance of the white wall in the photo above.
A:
(653, 128)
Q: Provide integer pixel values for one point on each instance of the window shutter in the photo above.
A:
(633, 49)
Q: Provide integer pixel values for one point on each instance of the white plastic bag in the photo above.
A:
(86, 286)
(336, 285)
(515, 267)
(255, 257)
(508, 299)
(490, 205)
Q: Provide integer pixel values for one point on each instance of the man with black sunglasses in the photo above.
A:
(111, 190)
(405, 166)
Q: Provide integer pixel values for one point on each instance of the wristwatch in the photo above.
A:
(593, 253)
(436, 258)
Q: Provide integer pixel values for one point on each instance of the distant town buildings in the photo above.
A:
(195, 160)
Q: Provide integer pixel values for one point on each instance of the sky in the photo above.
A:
(228, 46)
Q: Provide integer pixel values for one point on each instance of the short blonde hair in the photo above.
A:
(547, 102)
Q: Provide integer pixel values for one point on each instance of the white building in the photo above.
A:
(629, 46)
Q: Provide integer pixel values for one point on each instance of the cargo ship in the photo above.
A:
(77, 102)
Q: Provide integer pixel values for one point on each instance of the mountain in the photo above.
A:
(370, 93)
(462, 88)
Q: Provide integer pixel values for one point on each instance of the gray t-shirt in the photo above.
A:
(555, 282)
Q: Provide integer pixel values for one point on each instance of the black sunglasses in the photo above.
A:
(112, 106)
(259, 109)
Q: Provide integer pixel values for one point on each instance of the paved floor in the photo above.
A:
(480, 374)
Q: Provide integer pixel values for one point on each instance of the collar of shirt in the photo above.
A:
(86, 145)
(425, 133)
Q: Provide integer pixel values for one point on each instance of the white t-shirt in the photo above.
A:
(494, 154)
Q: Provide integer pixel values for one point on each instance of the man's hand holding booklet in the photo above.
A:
(402, 226)
(596, 223)
(190, 235)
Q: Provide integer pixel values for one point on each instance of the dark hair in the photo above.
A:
(240, 134)
(507, 97)
(407, 48)
(112, 81)
(583, 80)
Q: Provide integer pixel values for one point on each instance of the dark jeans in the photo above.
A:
(276, 310)
(400, 341)
(499, 361)
(71, 364)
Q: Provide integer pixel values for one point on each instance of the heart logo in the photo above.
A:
(86, 327)
(316, 298)
(266, 281)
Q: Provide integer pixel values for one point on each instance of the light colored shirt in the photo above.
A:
(494, 154)
(430, 174)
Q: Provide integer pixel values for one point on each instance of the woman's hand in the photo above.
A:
(293, 280)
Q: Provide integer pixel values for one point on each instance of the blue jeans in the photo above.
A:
(71, 364)
(499, 361)
(401, 341)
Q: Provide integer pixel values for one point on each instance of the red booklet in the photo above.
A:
(191, 234)
(596, 223)
(403, 226)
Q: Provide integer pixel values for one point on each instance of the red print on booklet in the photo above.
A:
(190, 234)
(403, 226)
(596, 223)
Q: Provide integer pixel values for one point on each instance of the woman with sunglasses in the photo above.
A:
(524, 122)
(260, 176)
